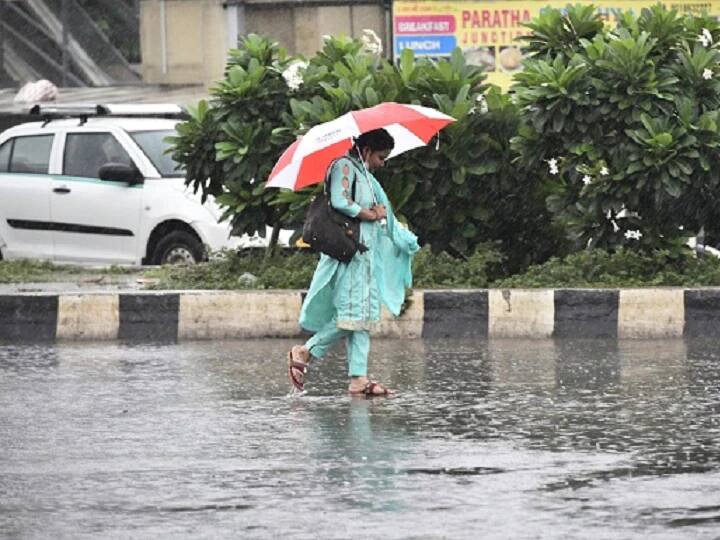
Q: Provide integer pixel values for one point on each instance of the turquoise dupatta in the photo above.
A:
(392, 254)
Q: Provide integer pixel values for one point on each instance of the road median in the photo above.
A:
(168, 316)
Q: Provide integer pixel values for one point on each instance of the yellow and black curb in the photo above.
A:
(532, 313)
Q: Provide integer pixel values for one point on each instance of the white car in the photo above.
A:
(100, 189)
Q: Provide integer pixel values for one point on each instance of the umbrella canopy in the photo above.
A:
(305, 161)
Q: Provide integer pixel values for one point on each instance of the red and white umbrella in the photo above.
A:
(305, 161)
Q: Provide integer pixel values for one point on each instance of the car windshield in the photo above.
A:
(154, 145)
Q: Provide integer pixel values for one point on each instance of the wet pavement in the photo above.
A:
(500, 439)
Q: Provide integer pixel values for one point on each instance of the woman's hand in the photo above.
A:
(375, 213)
(380, 211)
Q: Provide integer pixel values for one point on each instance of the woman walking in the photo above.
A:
(344, 299)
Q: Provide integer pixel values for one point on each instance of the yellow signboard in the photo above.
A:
(487, 31)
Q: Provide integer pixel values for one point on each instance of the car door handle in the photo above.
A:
(62, 190)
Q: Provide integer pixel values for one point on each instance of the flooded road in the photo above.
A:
(486, 439)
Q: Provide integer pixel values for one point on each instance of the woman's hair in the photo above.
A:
(376, 140)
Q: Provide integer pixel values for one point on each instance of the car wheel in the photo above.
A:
(178, 247)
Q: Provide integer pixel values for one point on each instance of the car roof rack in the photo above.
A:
(50, 112)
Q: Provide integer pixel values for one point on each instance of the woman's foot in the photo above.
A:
(362, 386)
(298, 360)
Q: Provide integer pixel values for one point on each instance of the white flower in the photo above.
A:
(604, 171)
(586, 179)
(707, 34)
(293, 77)
(705, 37)
(634, 235)
(326, 38)
(482, 103)
(552, 163)
(707, 74)
(479, 102)
(371, 42)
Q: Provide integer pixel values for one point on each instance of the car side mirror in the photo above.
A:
(120, 172)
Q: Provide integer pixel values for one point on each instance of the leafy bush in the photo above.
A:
(623, 124)
(623, 268)
(252, 269)
(482, 269)
(455, 193)
(433, 271)
(229, 146)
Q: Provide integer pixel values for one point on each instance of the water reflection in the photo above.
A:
(29, 358)
(514, 438)
(586, 364)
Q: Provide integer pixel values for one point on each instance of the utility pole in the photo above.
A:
(2, 41)
(65, 55)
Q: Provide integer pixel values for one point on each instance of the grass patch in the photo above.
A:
(294, 270)
(28, 271)
(254, 269)
(251, 269)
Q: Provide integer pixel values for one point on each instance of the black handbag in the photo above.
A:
(331, 232)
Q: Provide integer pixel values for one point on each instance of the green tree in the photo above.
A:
(457, 192)
(228, 146)
(622, 124)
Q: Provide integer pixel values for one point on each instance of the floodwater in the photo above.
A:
(486, 439)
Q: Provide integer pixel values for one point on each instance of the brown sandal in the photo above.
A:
(297, 382)
(369, 390)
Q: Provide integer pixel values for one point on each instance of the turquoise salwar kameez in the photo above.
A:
(344, 299)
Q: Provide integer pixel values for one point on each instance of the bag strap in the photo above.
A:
(328, 178)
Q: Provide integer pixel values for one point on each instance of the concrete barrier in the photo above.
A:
(521, 313)
(495, 313)
(228, 314)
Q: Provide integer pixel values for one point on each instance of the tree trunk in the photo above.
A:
(272, 245)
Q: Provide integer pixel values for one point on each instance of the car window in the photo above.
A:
(85, 153)
(155, 146)
(5, 150)
(31, 154)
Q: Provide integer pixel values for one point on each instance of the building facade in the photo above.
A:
(186, 41)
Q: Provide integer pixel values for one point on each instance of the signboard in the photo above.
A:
(487, 31)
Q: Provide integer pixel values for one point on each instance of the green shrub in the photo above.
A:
(623, 124)
(229, 145)
(441, 270)
(253, 269)
(622, 268)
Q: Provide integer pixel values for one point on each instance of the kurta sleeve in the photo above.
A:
(342, 176)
